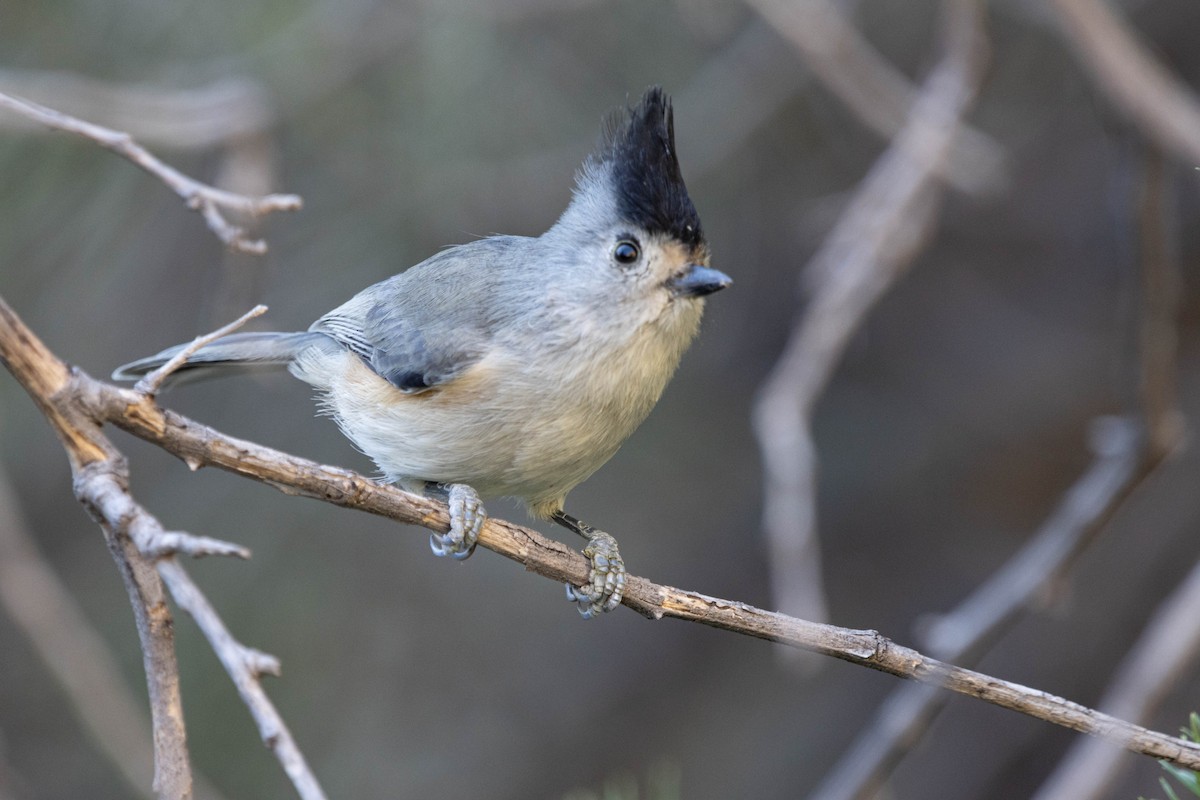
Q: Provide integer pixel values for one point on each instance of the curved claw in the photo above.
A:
(606, 584)
(467, 516)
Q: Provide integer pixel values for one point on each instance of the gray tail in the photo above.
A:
(237, 352)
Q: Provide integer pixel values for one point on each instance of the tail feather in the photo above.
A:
(238, 351)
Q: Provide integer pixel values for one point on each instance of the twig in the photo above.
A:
(1162, 107)
(74, 653)
(880, 95)
(78, 658)
(200, 117)
(1160, 285)
(1171, 639)
(77, 397)
(208, 200)
(1167, 647)
(172, 767)
(43, 375)
(245, 666)
(1125, 458)
(964, 634)
(151, 382)
(874, 241)
(101, 484)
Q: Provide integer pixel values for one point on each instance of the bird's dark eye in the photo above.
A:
(626, 252)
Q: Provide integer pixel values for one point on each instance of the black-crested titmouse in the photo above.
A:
(515, 366)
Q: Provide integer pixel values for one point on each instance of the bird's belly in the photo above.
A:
(503, 437)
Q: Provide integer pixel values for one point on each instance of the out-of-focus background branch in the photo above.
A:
(952, 426)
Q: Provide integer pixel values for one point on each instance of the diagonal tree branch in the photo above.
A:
(1162, 107)
(879, 94)
(74, 653)
(141, 548)
(1127, 455)
(207, 200)
(77, 395)
(876, 238)
(45, 377)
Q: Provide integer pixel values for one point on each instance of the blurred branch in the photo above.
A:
(1171, 639)
(1125, 459)
(76, 404)
(881, 96)
(196, 118)
(877, 237)
(1162, 107)
(1120, 466)
(208, 200)
(77, 657)
(1158, 339)
(1168, 646)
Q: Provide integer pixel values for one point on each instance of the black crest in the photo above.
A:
(639, 152)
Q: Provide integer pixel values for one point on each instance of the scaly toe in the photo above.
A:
(606, 584)
(467, 517)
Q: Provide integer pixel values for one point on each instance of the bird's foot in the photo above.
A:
(467, 516)
(606, 585)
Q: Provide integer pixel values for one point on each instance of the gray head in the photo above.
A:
(631, 217)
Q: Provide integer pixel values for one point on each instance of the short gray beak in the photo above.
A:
(697, 281)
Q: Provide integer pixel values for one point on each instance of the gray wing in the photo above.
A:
(426, 326)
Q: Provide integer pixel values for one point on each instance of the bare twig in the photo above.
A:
(964, 634)
(172, 767)
(217, 113)
(74, 653)
(151, 382)
(101, 484)
(208, 200)
(43, 375)
(1168, 646)
(1161, 281)
(1158, 103)
(881, 96)
(1125, 458)
(245, 666)
(1171, 639)
(78, 658)
(874, 241)
(69, 402)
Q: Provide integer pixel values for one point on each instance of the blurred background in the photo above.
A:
(952, 425)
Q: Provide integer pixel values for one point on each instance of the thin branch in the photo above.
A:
(1171, 639)
(172, 767)
(1168, 646)
(1162, 107)
(200, 117)
(963, 635)
(1126, 456)
(198, 445)
(245, 666)
(73, 653)
(44, 376)
(101, 485)
(208, 200)
(151, 382)
(1161, 280)
(877, 237)
(879, 94)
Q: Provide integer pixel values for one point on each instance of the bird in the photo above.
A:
(514, 366)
